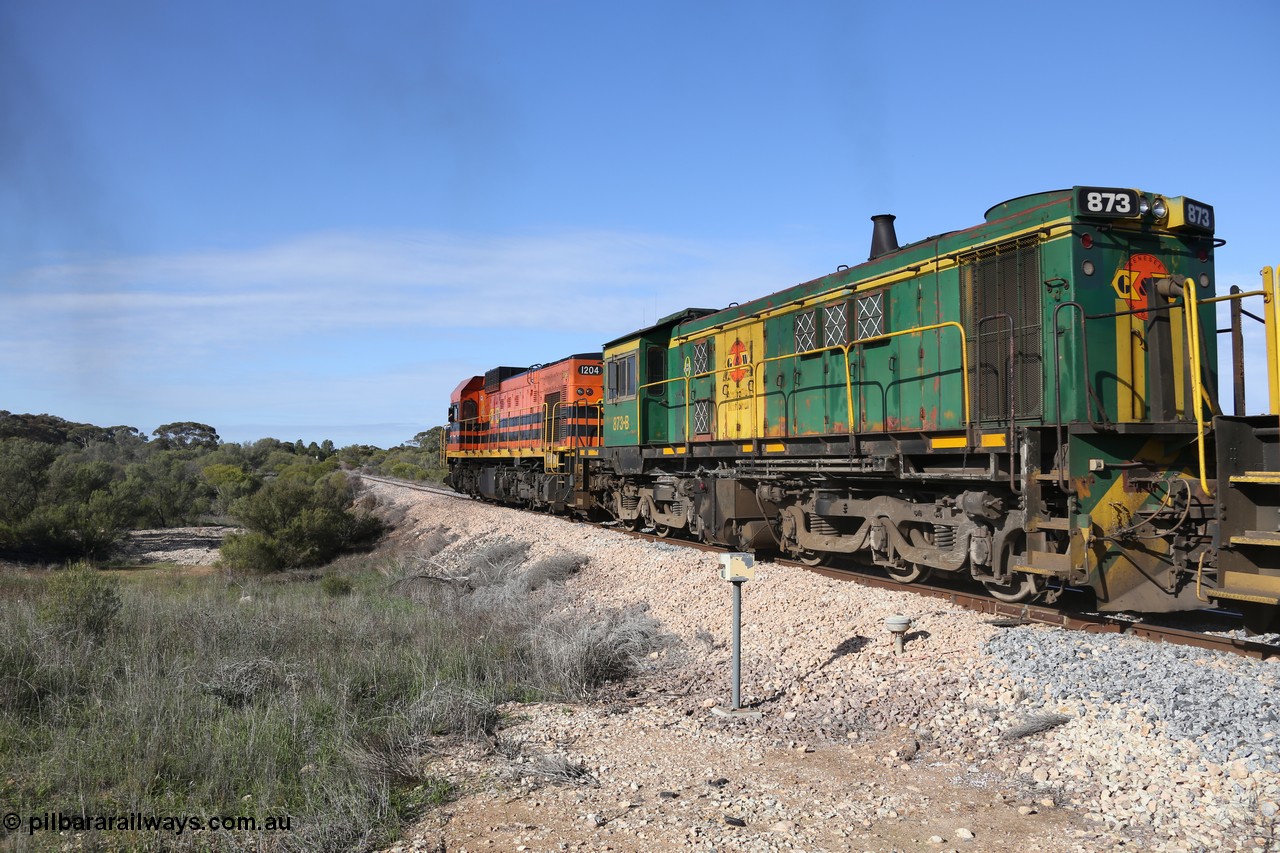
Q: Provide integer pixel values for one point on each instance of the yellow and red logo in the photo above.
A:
(738, 359)
(1134, 279)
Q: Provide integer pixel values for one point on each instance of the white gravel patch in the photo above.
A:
(185, 546)
(819, 664)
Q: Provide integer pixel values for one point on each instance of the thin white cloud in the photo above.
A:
(361, 328)
(426, 280)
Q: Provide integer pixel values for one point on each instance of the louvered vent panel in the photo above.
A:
(1002, 283)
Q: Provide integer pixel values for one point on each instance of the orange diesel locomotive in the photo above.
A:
(515, 432)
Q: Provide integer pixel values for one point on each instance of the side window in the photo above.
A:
(870, 316)
(835, 324)
(806, 331)
(469, 411)
(701, 417)
(703, 357)
(621, 379)
(655, 371)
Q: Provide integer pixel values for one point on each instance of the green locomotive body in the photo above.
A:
(1029, 402)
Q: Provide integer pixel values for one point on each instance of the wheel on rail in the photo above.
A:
(814, 558)
(662, 531)
(909, 573)
(1020, 587)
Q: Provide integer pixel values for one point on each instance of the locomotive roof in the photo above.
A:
(669, 320)
(521, 371)
(1008, 216)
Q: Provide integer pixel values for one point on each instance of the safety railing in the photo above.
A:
(844, 349)
(541, 433)
(578, 422)
(468, 434)
(1270, 319)
(1091, 396)
(1192, 319)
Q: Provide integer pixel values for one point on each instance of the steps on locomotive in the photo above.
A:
(1248, 509)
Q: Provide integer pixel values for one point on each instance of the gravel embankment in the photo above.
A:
(977, 738)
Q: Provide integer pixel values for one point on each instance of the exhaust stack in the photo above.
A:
(883, 238)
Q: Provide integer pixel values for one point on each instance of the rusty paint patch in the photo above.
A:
(1082, 486)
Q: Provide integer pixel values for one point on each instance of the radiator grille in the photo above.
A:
(1002, 284)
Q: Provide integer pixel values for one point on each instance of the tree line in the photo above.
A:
(72, 490)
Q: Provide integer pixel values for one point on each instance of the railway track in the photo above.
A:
(1097, 623)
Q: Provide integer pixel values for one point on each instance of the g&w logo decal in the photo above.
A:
(738, 359)
(1134, 279)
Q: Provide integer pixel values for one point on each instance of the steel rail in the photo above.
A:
(1095, 623)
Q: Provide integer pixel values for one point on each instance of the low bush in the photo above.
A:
(576, 654)
(335, 585)
(81, 602)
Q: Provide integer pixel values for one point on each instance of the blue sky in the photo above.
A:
(311, 219)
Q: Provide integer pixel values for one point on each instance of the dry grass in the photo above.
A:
(208, 695)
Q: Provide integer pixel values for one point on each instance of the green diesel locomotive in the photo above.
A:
(1030, 402)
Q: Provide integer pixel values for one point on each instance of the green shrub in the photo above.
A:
(335, 585)
(250, 552)
(81, 602)
(231, 483)
(406, 471)
(295, 522)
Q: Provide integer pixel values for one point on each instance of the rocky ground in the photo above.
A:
(978, 737)
(184, 546)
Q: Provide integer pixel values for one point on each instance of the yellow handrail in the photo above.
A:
(846, 348)
(843, 348)
(551, 418)
(1197, 380)
(1271, 296)
(964, 360)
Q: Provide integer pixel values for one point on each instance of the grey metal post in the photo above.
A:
(737, 645)
(1237, 350)
(736, 568)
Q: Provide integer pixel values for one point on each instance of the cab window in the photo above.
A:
(656, 371)
(621, 378)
